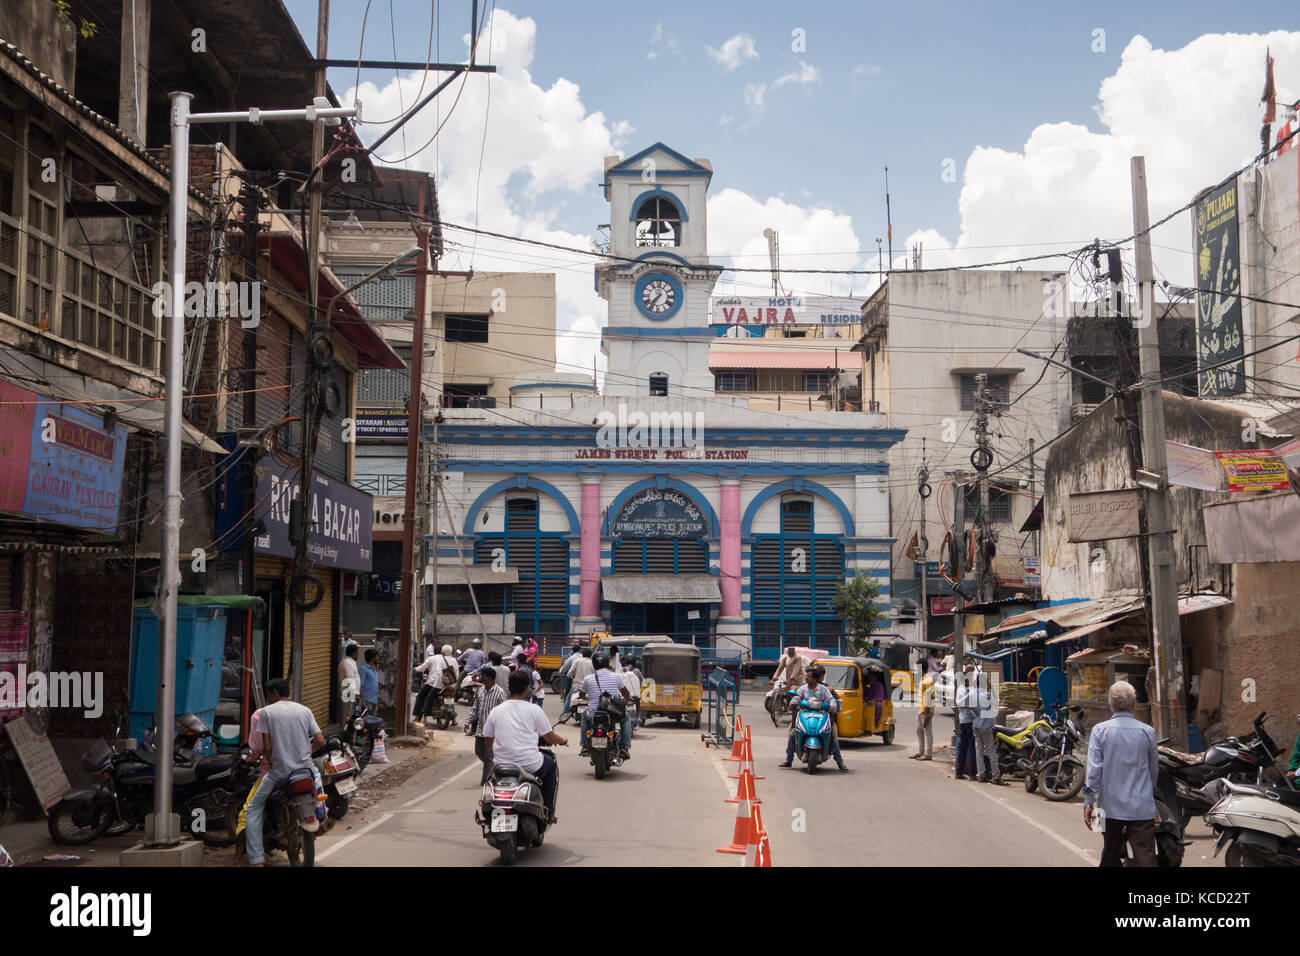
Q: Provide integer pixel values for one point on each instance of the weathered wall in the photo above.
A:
(1270, 246)
(33, 26)
(1260, 637)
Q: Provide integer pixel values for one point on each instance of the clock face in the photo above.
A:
(658, 296)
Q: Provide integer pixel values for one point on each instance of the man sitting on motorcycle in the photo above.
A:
(473, 658)
(511, 732)
(605, 680)
(289, 734)
(814, 695)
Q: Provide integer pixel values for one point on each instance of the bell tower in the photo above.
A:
(659, 277)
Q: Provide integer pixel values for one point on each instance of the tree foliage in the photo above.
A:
(860, 607)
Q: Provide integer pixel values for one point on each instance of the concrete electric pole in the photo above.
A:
(1162, 600)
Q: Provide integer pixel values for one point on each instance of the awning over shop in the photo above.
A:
(995, 656)
(1201, 602)
(1020, 640)
(1078, 632)
(454, 575)
(661, 589)
(1074, 614)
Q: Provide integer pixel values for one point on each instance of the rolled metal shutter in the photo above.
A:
(7, 584)
(318, 651)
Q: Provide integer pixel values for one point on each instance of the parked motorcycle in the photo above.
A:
(511, 811)
(124, 795)
(338, 770)
(289, 820)
(1244, 759)
(1058, 770)
(1259, 825)
(468, 689)
(360, 734)
(812, 730)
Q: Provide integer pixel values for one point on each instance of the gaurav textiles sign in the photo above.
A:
(59, 461)
(660, 513)
(786, 310)
(341, 518)
(1218, 299)
(1254, 470)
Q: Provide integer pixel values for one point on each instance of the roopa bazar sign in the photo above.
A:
(340, 520)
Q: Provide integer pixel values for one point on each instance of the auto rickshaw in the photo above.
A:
(670, 683)
(625, 643)
(851, 678)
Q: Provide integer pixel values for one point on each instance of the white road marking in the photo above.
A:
(1006, 805)
(334, 848)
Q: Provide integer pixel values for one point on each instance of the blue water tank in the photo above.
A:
(200, 651)
(1194, 744)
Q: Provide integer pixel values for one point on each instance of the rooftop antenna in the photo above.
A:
(889, 222)
(774, 258)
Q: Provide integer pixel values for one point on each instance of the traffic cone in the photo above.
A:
(757, 852)
(737, 740)
(746, 760)
(743, 834)
(745, 789)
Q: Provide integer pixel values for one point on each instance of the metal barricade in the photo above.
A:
(722, 697)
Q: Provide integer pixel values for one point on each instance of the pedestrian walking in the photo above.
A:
(488, 697)
(1123, 764)
(925, 721)
(986, 741)
(964, 765)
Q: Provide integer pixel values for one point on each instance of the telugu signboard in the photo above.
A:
(785, 310)
(1218, 297)
(1099, 515)
(661, 513)
(341, 518)
(1254, 470)
(61, 463)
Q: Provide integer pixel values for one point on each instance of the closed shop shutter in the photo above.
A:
(7, 584)
(318, 652)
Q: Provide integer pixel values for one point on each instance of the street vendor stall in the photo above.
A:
(1093, 671)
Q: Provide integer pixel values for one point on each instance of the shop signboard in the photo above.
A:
(1101, 515)
(382, 422)
(786, 310)
(1257, 469)
(1218, 296)
(341, 518)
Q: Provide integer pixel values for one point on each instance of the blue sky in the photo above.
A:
(1038, 125)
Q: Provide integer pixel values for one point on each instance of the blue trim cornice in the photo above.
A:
(520, 481)
(630, 166)
(797, 484)
(661, 482)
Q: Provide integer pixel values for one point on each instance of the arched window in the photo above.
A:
(794, 577)
(540, 600)
(659, 385)
(658, 223)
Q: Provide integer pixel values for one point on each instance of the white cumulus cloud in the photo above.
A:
(806, 75)
(735, 51)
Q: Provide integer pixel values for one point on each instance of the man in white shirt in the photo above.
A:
(632, 681)
(582, 669)
(511, 733)
(350, 680)
(575, 655)
(289, 732)
(604, 680)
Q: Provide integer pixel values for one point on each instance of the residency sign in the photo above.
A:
(786, 310)
(59, 461)
(341, 518)
(1218, 299)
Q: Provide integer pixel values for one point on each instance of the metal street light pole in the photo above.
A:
(162, 827)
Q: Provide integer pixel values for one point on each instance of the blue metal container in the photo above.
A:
(200, 649)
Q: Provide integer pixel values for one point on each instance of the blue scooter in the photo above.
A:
(812, 730)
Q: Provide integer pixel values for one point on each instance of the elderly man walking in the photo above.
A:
(1122, 768)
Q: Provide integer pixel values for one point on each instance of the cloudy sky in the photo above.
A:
(1004, 136)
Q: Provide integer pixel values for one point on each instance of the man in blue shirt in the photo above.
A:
(815, 695)
(1123, 765)
(370, 682)
(967, 704)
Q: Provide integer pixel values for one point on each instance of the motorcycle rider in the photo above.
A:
(790, 672)
(289, 734)
(511, 732)
(604, 680)
(814, 690)
(473, 658)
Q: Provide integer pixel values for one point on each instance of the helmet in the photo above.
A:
(477, 642)
(600, 660)
(517, 640)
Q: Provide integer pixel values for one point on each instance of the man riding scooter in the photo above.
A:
(814, 694)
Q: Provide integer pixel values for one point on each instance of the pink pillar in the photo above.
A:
(589, 593)
(729, 550)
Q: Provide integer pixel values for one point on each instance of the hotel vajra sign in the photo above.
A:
(660, 513)
(786, 310)
(1099, 515)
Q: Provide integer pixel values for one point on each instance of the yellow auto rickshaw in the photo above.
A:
(627, 645)
(670, 683)
(853, 680)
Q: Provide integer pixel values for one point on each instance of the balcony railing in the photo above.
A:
(61, 291)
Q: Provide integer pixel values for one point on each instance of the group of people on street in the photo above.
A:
(977, 742)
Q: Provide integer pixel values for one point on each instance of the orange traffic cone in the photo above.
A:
(743, 834)
(759, 854)
(747, 760)
(745, 789)
(737, 740)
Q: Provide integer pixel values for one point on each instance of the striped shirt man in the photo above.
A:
(483, 704)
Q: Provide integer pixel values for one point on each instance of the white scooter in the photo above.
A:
(1259, 825)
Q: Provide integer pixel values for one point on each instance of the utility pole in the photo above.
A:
(250, 200)
(958, 601)
(1162, 598)
(982, 458)
(414, 427)
(923, 489)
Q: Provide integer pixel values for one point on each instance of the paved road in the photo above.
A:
(665, 807)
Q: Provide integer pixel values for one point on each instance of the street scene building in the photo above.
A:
(392, 431)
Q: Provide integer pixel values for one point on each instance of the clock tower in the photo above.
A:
(658, 279)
